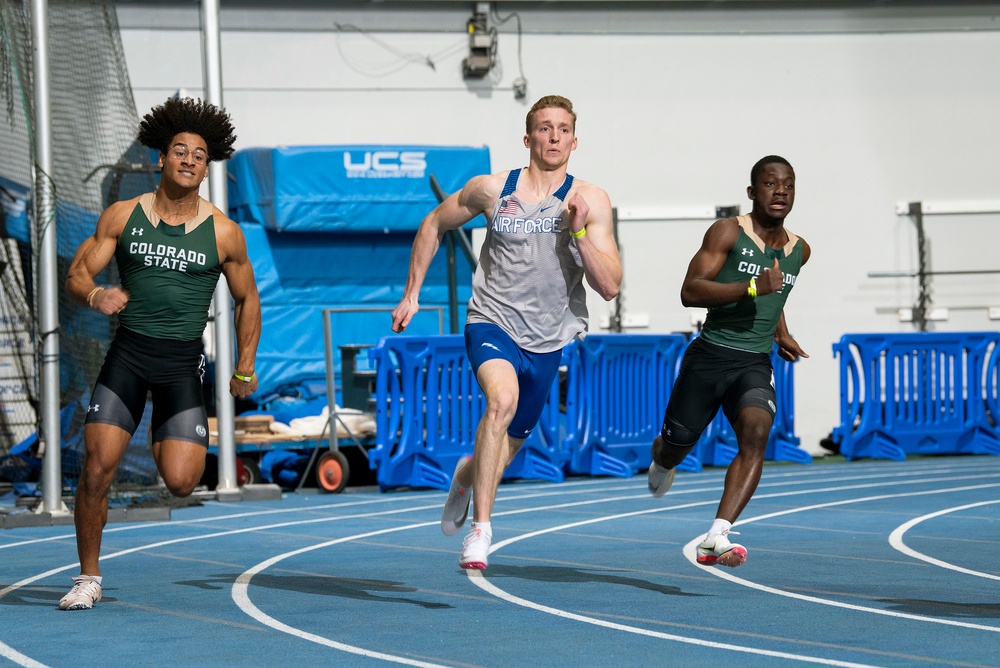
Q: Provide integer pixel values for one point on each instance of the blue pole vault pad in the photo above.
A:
(332, 227)
(370, 189)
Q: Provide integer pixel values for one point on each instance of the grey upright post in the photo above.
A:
(227, 489)
(47, 295)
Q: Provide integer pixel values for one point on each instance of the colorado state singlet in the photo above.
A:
(169, 275)
(749, 324)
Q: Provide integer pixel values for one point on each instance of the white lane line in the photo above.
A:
(26, 581)
(9, 652)
(218, 534)
(205, 520)
(579, 487)
(896, 540)
(690, 551)
(480, 581)
(241, 596)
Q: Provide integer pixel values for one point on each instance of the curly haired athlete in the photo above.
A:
(171, 246)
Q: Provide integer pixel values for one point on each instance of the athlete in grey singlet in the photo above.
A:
(547, 233)
(547, 311)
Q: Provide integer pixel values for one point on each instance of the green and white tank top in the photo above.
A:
(749, 324)
(169, 272)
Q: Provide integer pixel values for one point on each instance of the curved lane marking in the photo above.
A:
(480, 581)
(9, 652)
(691, 548)
(896, 540)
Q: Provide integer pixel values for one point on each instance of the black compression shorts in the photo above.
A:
(171, 370)
(712, 376)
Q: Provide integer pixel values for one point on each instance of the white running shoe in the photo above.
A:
(84, 594)
(476, 548)
(718, 550)
(456, 507)
(660, 479)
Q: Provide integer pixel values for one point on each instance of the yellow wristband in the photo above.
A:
(245, 379)
(582, 232)
(752, 290)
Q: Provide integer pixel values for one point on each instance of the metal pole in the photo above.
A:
(45, 239)
(222, 301)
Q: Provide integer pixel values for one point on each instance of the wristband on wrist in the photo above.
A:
(92, 294)
(245, 379)
(582, 232)
(752, 289)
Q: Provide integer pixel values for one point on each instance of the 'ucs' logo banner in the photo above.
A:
(386, 165)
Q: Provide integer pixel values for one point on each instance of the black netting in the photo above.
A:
(95, 161)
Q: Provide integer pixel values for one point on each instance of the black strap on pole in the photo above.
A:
(450, 239)
(923, 304)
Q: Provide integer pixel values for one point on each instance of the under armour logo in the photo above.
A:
(490, 345)
(93, 408)
(137, 231)
(748, 251)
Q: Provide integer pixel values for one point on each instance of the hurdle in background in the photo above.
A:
(918, 393)
(600, 418)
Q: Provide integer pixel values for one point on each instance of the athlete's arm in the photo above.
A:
(699, 287)
(93, 256)
(475, 197)
(788, 348)
(238, 271)
(589, 209)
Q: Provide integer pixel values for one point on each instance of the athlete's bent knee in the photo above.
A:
(678, 435)
(181, 489)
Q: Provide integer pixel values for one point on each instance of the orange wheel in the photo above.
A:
(332, 472)
(247, 471)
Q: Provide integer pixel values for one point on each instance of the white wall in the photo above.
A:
(669, 119)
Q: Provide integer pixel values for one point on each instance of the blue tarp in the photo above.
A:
(371, 189)
(332, 227)
(73, 223)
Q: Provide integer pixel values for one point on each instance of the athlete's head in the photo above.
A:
(772, 187)
(548, 102)
(759, 166)
(164, 122)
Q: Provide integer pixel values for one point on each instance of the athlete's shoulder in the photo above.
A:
(226, 229)
(729, 228)
(592, 193)
(113, 220)
(479, 192)
(722, 235)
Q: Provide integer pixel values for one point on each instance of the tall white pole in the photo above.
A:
(223, 312)
(47, 294)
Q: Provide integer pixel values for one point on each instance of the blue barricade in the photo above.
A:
(918, 393)
(627, 380)
(601, 416)
(428, 406)
(782, 443)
